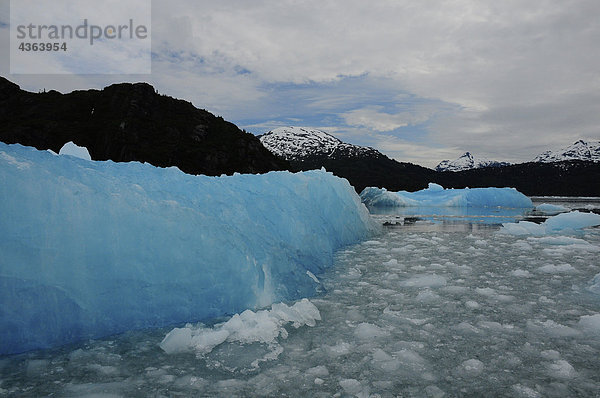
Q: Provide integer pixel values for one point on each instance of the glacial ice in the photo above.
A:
(436, 196)
(91, 249)
(72, 149)
(564, 223)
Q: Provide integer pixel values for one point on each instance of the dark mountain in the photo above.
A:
(308, 149)
(565, 178)
(131, 122)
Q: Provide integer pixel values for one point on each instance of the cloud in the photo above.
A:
(372, 118)
(504, 80)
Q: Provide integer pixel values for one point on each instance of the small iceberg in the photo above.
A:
(550, 209)
(436, 196)
(563, 223)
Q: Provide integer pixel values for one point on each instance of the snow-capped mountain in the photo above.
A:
(298, 144)
(467, 162)
(581, 150)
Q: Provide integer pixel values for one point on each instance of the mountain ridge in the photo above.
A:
(580, 150)
(300, 144)
(132, 122)
(563, 178)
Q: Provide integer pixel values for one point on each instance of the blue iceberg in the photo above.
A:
(91, 249)
(436, 196)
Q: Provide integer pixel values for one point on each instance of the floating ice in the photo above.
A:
(595, 285)
(424, 280)
(590, 324)
(264, 326)
(437, 196)
(368, 331)
(564, 223)
(551, 209)
(96, 248)
(561, 369)
(572, 221)
(471, 367)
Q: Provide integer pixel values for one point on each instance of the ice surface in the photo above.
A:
(75, 150)
(436, 196)
(563, 223)
(96, 248)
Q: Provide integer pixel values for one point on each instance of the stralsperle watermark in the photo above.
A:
(80, 37)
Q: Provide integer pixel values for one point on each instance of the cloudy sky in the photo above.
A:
(421, 81)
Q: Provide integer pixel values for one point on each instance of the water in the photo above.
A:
(430, 308)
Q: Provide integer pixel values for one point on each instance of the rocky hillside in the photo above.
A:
(132, 122)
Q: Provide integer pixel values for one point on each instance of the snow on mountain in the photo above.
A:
(298, 143)
(581, 150)
(467, 162)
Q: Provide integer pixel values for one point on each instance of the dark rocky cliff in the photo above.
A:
(131, 122)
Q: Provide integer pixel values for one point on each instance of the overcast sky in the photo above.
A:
(421, 81)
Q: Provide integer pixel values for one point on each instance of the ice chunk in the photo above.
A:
(572, 221)
(525, 392)
(178, 340)
(561, 369)
(590, 324)
(424, 280)
(595, 284)
(320, 371)
(72, 149)
(471, 367)
(520, 273)
(550, 354)
(563, 223)
(556, 269)
(437, 196)
(367, 331)
(264, 326)
(523, 228)
(351, 386)
(551, 209)
(91, 249)
(552, 329)
(434, 392)
(562, 241)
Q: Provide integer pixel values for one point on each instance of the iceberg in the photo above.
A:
(564, 223)
(91, 249)
(551, 209)
(436, 196)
